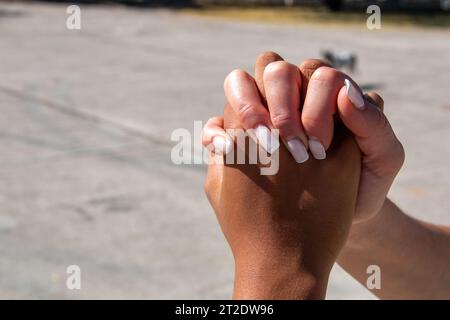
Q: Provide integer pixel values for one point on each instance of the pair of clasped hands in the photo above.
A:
(338, 157)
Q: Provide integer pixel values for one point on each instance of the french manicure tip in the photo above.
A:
(221, 145)
(298, 150)
(317, 149)
(263, 136)
(354, 95)
(274, 143)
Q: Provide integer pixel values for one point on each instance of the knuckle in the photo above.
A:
(327, 74)
(400, 154)
(311, 121)
(248, 114)
(381, 122)
(309, 66)
(279, 69)
(394, 150)
(211, 122)
(313, 64)
(235, 74)
(281, 120)
(395, 156)
(268, 56)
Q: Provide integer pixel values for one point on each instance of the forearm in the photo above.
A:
(413, 256)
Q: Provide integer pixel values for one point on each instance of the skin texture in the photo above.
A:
(413, 256)
(295, 222)
(383, 154)
(272, 260)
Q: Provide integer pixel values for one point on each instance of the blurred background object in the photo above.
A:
(341, 60)
(337, 5)
(333, 5)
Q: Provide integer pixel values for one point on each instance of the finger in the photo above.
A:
(376, 99)
(213, 182)
(262, 61)
(282, 83)
(215, 138)
(371, 128)
(243, 96)
(319, 107)
(307, 69)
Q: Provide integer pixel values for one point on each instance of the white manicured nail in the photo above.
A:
(274, 141)
(354, 95)
(263, 137)
(317, 149)
(297, 149)
(221, 145)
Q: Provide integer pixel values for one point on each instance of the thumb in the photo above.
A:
(382, 152)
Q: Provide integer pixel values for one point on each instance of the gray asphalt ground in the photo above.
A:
(86, 117)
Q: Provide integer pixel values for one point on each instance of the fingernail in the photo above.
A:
(221, 145)
(263, 137)
(297, 149)
(303, 139)
(274, 141)
(317, 149)
(354, 95)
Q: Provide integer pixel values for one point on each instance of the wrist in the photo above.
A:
(363, 232)
(278, 278)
